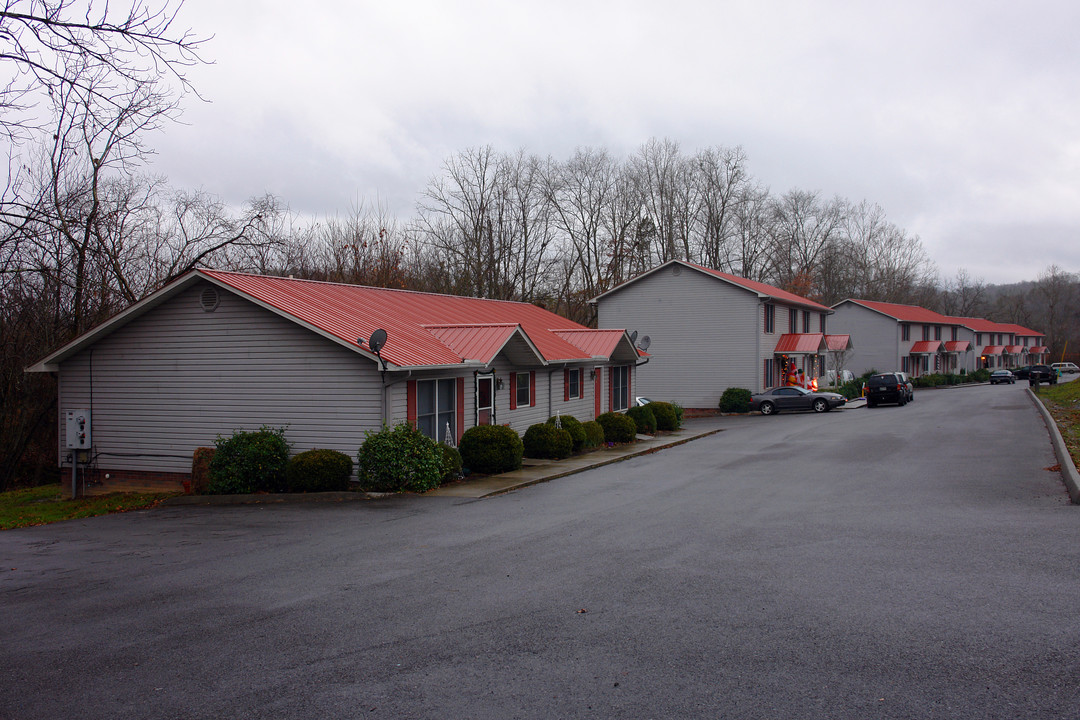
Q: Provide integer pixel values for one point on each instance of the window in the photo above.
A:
(620, 387)
(937, 332)
(573, 388)
(954, 332)
(806, 321)
(978, 338)
(435, 408)
(822, 323)
(770, 318)
(793, 320)
(925, 332)
(522, 390)
(905, 332)
(904, 364)
(768, 373)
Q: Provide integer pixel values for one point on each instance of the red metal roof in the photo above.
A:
(993, 349)
(1019, 330)
(475, 342)
(593, 342)
(348, 312)
(1038, 349)
(957, 346)
(1014, 349)
(838, 343)
(801, 344)
(906, 313)
(925, 347)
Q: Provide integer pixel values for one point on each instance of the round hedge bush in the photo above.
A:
(643, 418)
(491, 449)
(249, 461)
(399, 459)
(666, 417)
(617, 427)
(594, 433)
(318, 470)
(573, 426)
(735, 400)
(451, 463)
(547, 441)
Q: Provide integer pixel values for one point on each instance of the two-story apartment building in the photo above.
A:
(710, 330)
(1003, 345)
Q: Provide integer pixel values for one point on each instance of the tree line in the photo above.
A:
(86, 229)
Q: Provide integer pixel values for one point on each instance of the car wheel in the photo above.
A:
(870, 404)
(903, 402)
(767, 408)
(820, 405)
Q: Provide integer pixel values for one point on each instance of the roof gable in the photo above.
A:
(903, 313)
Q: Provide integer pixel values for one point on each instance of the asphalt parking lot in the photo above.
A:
(911, 562)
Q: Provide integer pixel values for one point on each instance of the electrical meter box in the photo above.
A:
(78, 429)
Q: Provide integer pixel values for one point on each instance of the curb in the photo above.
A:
(266, 498)
(609, 461)
(1065, 461)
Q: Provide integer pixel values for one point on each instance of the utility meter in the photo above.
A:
(78, 429)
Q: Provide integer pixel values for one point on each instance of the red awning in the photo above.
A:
(1038, 350)
(801, 344)
(925, 347)
(993, 350)
(1014, 349)
(957, 346)
(838, 343)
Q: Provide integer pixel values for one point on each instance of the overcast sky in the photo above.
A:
(961, 119)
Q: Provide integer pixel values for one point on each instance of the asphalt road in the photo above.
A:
(915, 562)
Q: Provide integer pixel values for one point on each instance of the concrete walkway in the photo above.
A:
(537, 471)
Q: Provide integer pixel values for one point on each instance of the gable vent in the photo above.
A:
(209, 299)
(677, 270)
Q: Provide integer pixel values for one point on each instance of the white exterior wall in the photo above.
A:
(175, 378)
(706, 335)
(875, 338)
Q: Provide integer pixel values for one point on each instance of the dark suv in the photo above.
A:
(1044, 373)
(886, 388)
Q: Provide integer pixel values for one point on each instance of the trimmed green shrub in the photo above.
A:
(572, 426)
(594, 433)
(643, 418)
(735, 400)
(666, 418)
(547, 441)
(318, 470)
(249, 461)
(851, 389)
(451, 463)
(399, 459)
(491, 449)
(678, 413)
(200, 469)
(617, 427)
(980, 375)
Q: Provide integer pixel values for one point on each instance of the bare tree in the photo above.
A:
(722, 182)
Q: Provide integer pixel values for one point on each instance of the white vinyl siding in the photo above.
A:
(175, 378)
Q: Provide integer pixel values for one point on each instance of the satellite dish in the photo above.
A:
(633, 337)
(645, 343)
(377, 340)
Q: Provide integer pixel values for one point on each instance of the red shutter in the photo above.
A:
(410, 403)
(513, 391)
(460, 408)
(566, 384)
(532, 388)
(598, 390)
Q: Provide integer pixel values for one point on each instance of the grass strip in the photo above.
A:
(1063, 403)
(49, 503)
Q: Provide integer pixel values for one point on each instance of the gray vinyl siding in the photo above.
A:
(875, 338)
(547, 379)
(706, 335)
(175, 378)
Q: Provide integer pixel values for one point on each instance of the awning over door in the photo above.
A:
(957, 346)
(801, 344)
(925, 347)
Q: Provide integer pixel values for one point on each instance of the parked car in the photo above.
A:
(642, 401)
(1066, 368)
(793, 397)
(1002, 376)
(1044, 373)
(1021, 373)
(908, 384)
(887, 388)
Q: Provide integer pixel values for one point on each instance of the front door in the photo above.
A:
(485, 399)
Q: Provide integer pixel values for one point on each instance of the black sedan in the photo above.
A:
(794, 398)
(1002, 376)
